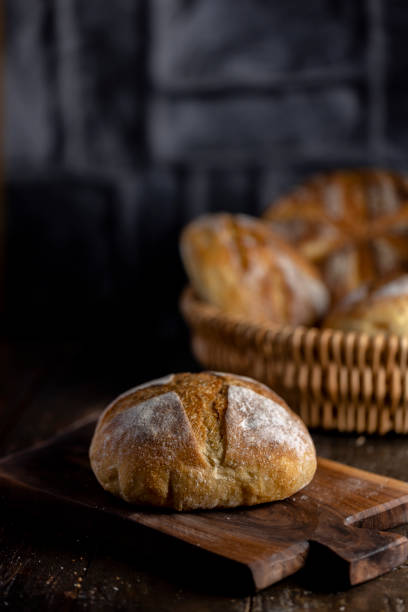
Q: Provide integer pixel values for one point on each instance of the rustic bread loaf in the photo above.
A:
(201, 441)
(240, 265)
(372, 308)
(352, 224)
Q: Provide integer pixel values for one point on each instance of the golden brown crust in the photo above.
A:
(377, 307)
(201, 441)
(352, 223)
(238, 264)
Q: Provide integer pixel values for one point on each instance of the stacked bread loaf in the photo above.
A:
(352, 224)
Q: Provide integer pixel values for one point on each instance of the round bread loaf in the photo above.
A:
(203, 440)
(374, 308)
(238, 264)
(353, 224)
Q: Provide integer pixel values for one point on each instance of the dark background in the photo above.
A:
(126, 119)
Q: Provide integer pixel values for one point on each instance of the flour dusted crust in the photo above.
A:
(374, 308)
(240, 265)
(353, 224)
(201, 441)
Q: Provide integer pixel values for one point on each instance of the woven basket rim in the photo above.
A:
(339, 345)
(193, 306)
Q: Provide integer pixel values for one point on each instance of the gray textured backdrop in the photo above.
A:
(125, 119)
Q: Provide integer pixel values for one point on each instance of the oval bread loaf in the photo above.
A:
(203, 440)
(241, 266)
(380, 307)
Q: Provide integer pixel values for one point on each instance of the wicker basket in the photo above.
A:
(335, 380)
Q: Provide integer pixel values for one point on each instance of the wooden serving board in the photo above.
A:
(333, 523)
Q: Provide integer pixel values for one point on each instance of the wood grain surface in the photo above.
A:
(339, 511)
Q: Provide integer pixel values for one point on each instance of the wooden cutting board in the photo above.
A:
(333, 523)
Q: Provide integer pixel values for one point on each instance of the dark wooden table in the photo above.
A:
(58, 567)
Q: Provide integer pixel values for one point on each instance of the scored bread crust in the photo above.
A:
(203, 440)
(378, 307)
(353, 224)
(241, 266)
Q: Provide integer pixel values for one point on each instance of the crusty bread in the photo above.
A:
(238, 264)
(353, 224)
(372, 308)
(201, 441)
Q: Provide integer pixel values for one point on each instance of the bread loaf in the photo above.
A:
(353, 224)
(240, 265)
(373, 308)
(201, 441)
